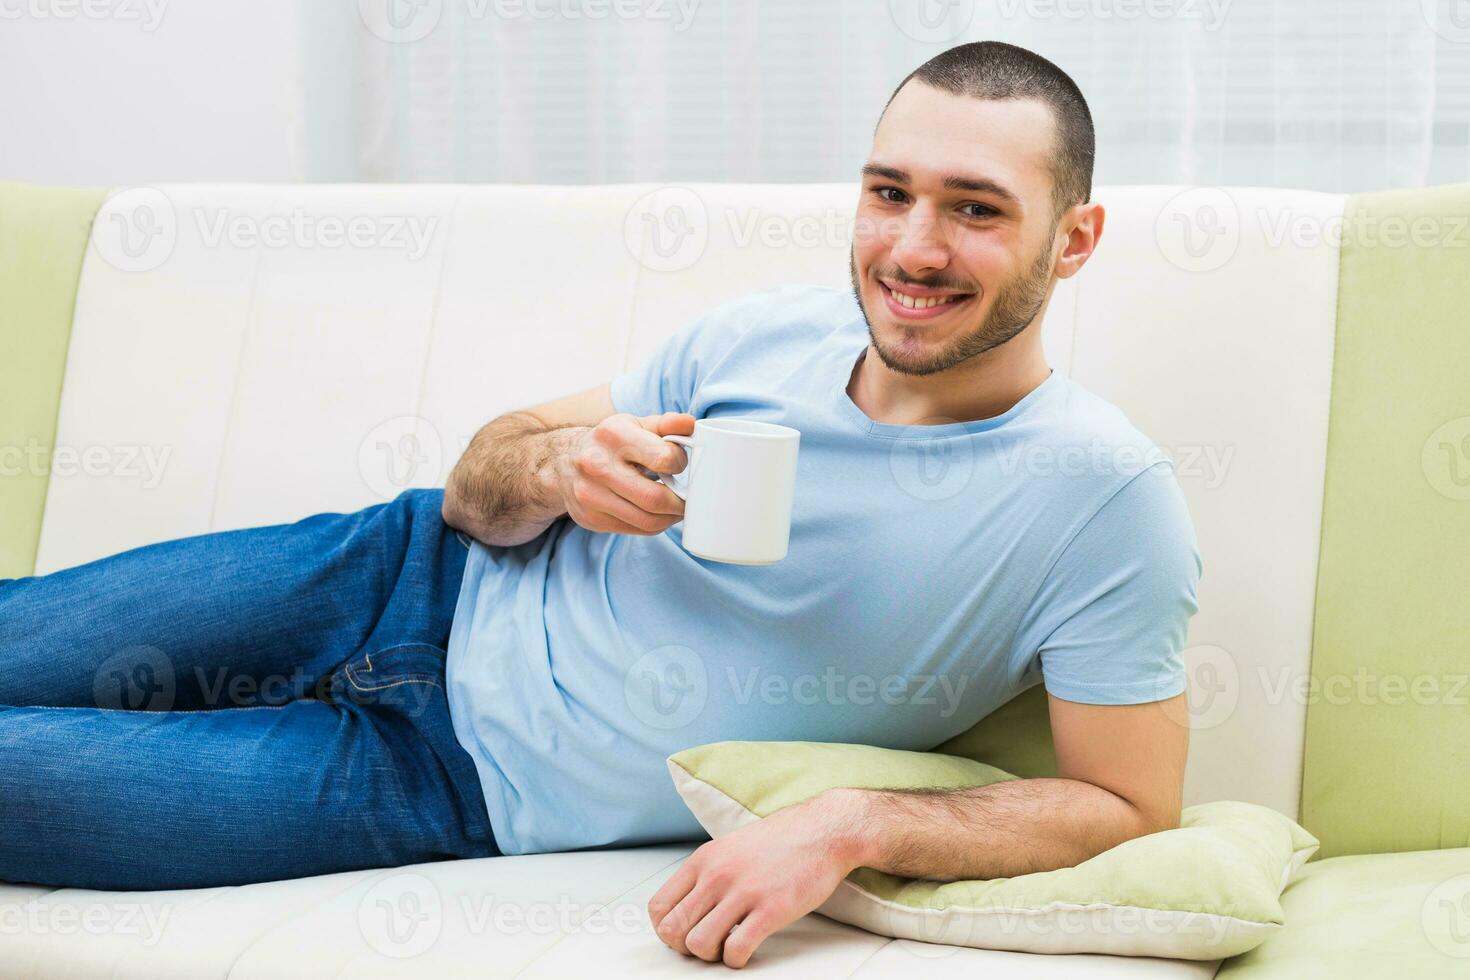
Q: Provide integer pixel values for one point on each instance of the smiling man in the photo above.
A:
(504, 666)
(1078, 571)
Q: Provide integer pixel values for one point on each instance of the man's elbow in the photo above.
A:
(452, 509)
(447, 509)
(1155, 820)
(1132, 823)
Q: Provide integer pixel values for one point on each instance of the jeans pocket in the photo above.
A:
(407, 663)
(407, 677)
(409, 680)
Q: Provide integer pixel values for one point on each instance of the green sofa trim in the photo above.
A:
(43, 236)
(1367, 917)
(1387, 759)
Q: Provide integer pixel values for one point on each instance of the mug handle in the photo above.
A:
(680, 487)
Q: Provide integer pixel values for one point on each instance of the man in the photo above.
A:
(974, 200)
(573, 644)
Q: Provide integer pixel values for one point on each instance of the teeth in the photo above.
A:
(920, 303)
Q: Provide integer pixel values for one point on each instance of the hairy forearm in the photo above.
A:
(996, 831)
(503, 490)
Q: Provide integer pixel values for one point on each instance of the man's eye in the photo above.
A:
(981, 210)
(883, 193)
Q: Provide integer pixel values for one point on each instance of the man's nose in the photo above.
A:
(920, 245)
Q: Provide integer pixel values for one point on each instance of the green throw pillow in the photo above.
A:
(1205, 891)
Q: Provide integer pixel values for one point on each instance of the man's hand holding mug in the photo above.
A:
(603, 483)
(735, 495)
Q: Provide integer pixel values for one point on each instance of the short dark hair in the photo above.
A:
(994, 70)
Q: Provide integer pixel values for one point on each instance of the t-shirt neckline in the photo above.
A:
(888, 430)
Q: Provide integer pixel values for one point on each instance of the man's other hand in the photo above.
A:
(734, 892)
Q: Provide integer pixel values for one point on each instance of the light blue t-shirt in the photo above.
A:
(934, 572)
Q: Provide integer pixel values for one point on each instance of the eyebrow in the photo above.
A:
(953, 182)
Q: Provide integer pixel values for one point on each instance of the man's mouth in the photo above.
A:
(918, 302)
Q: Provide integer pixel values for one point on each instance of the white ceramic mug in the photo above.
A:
(738, 488)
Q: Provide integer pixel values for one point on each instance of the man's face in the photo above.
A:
(979, 249)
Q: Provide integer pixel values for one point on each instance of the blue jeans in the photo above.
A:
(237, 707)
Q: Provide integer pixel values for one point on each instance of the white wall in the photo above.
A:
(122, 92)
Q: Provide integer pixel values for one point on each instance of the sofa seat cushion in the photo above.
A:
(1369, 916)
(542, 915)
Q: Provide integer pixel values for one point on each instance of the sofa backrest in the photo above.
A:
(244, 354)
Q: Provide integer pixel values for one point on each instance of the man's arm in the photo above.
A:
(577, 456)
(1120, 775)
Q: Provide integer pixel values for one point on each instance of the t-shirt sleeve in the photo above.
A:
(1110, 619)
(668, 379)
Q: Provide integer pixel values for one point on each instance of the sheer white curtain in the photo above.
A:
(1341, 95)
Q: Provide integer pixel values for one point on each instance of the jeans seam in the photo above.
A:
(411, 679)
(382, 654)
(164, 713)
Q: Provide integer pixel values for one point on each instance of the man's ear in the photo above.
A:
(1082, 224)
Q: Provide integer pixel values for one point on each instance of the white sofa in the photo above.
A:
(286, 375)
